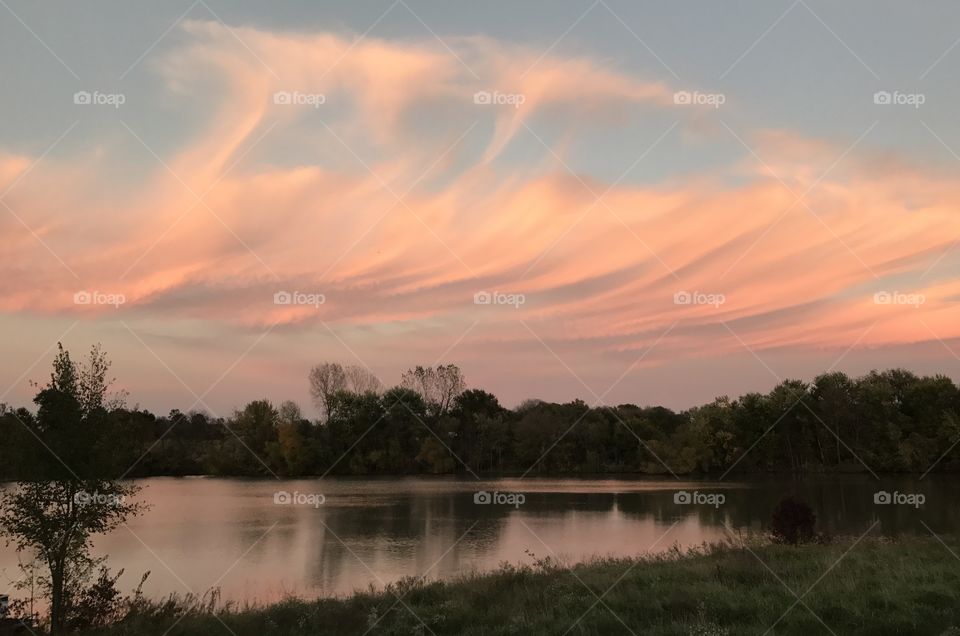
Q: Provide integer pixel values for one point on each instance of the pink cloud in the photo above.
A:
(328, 223)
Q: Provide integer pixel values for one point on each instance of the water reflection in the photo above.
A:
(230, 533)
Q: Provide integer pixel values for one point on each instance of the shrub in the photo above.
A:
(792, 522)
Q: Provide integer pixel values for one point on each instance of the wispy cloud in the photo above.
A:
(388, 178)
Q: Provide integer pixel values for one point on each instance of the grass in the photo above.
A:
(876, 587)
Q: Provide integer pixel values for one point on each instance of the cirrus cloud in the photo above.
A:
(399, 198)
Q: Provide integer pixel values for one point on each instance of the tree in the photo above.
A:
(473, 413)
(291, 451)
(290, 412)
(350, 430)
(325, 381)
(71, 493)
(435, 457)
(438, 386)
(833, 396)
(254, 434)
(402, 429)
(361, 380)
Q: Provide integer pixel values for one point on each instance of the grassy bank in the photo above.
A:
(879, 587)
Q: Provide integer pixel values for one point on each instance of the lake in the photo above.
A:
(258, 540)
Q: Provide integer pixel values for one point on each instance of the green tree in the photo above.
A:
(70, 492)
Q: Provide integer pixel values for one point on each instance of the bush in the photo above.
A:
(792, 522)
(100, 603)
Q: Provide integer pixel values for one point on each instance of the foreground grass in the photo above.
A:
(873, 587)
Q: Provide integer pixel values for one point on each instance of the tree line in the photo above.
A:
(889, 421)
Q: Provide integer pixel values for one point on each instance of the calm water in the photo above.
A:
(229, 533)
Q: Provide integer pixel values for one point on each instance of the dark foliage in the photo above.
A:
(792, 522)
(100, 603)
(891, 421)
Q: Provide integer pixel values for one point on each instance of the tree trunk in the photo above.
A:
(793, 459)
(56, 599)
(816, 434)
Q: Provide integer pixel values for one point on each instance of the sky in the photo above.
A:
(621, 202)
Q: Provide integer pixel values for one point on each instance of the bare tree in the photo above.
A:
(290, 412)
(325, 380)
(438, 386)
(450, 384)
(361, 380)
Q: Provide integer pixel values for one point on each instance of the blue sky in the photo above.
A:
(198, 198)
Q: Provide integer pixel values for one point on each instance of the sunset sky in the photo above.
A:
(637, 247)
